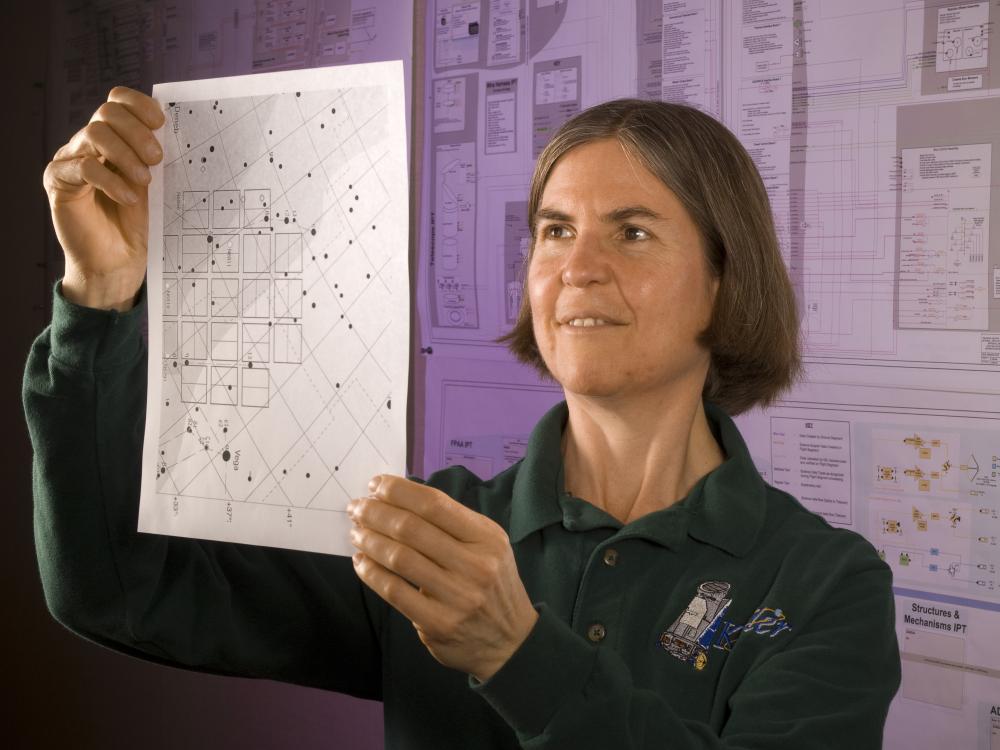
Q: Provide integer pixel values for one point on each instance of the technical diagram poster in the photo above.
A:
(278, 311)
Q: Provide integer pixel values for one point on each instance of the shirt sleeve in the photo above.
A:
(829, 686)
(216, 607)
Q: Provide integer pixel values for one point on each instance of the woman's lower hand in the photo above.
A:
(447, 569)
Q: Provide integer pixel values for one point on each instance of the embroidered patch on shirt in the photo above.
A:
(701, 626)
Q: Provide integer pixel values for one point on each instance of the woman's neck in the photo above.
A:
(632, 456)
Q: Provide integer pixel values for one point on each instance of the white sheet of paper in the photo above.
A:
(278, 291)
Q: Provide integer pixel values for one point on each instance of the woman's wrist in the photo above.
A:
(114, 291)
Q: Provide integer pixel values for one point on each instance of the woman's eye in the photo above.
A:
(635, 233)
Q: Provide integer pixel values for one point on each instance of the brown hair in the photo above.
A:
(753, 333)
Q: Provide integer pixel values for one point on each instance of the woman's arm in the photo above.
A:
(217, 607)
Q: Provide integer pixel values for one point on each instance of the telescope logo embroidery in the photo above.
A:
(701, 626)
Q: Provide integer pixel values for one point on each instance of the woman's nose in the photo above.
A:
(586, 262)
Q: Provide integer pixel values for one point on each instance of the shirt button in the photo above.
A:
(610, 557)
(596, 632)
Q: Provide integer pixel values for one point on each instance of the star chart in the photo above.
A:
(278, 305)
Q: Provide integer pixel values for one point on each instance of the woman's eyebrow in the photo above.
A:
(612, 217)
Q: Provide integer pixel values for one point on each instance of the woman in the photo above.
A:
(631, 583)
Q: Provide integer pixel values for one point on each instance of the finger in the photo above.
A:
(132, 131)
(116, 153)
(414, 606)
(430, 504)
(409, 564)
(70, 175)
(410, 529)
(143, 107)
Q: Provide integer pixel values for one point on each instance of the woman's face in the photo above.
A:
(618, 283)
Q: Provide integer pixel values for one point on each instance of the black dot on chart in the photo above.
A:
(193, 284)
(211, 149)
(373, 226)
(190, 162)
(280, 166)
(244, 164)
(168, 403)
(203, 160)
(312, 232)
(298, 93)
(325, 255)
(341, 315)
(350, 242)
(350, 325)
(209, 238)
(333, 111)
(314, 304)
(204, 200)
(197, 409)
(388, 404)
(206, 447)
(190, 111)
(286, 219)
(249, 478)
(163, 453)
(314, 257)
(303, 291)
(355, 197)
(368, 275)
(284, 471)
(336, 286)
(189, 429)
(189, 145)
(309, 174)
(271, 160)
(336, 468)
(307, 475)
(175, 364)
(250, 365)
(270, 132)
(225, 429)
(341, 294)
(270, 323)
(186, 362)
(338, 385)
(350, 210)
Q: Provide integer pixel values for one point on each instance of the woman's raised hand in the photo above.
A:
(97, 189)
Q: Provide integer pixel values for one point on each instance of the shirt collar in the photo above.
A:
(725, 508)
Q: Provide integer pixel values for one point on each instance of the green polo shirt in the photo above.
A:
(734, 618)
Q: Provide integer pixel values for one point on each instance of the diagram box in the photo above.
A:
(256, 387)
(171, 296)
(288, 298)
(171, 253)
(226, 209)
(225, 297)
(256, 253)
(194, 339)
(225, 341)
(195, 209)
(194, 252)
(288, 343)
(256, 298)
(194, 384)
(170, 339)
(256, 342)
(257, 208)
(224, 386)
(226, 253)
(194, 296)
(288, 253)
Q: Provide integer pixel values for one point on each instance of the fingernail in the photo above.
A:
(351, 507)
(374, 483)
(131, 197)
